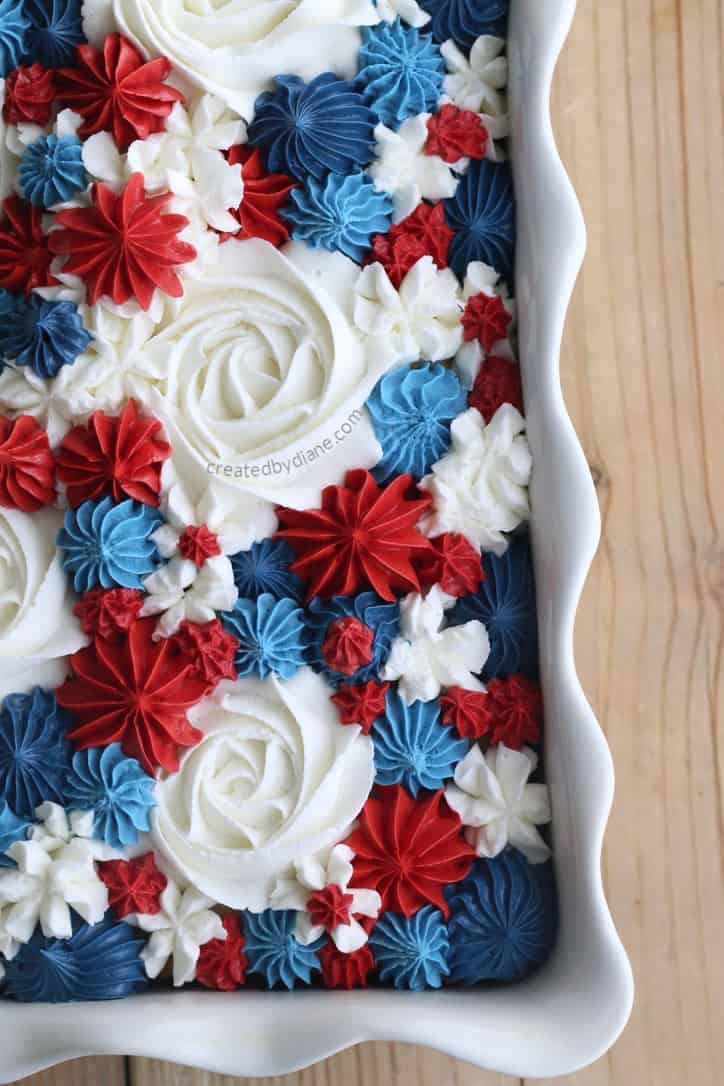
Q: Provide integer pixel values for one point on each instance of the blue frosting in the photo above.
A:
(381, 617)
(56, 29)
(413, 748)
(109, 545)
(34, 753)
(411, 951)
(412, 410)
(14, 26)
(41, 335)
(503, 920)
(505, 604)
(51, 170)
(270, 634)
(12, 829)
(465, 20)
(313, 128)
(339, 214)
(115, 787)
(482, 214)
(265, 568)
(273, 951)
(401, 70)
(102, 961)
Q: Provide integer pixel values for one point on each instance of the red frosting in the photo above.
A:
(362, 537)
(134, 886)
(24, 254)
(348, 645)
(498, 382)
(108, 614)
(346, 970)
(210, 649)
(222, 962)
(135, 692)
(123, 246)
(29, 94)
(409, 850)
(486, 319)
(453, 563)
(466, 711)
(120, 456)
(455, 133)
(330, 907)
(361, 704)
(264, 195)
(423, 233)
(26, 465)
(514, 709)
(198, 543)
(115, 90)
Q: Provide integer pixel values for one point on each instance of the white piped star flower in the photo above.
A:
(405, 172)
(482, 279)
(185, 922)
(496, 803)
(408, 10)
(477, 82)
(181, 591)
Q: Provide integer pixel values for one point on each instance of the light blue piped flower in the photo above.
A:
(56, 29)
(339, 214)
(115, 787)
(51, 170)
(273, 951)
(14, 26)
(12, 829)
(401, 72)
(413, 747)
(271, 636)
(412, 951)
(42, 335)
(109, 545)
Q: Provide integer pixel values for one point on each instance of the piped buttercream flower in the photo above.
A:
(400, 70)
(464, 20)
(14, 26)
(51, 170)
(273, 951)
(476, 82)
(510, 711)
(270, 635)
(109, 545)
(180, 591)
(350, 636)
(456, 135)
(265, 194)
(339, 214)
(25, 257)
(222, 962)
(412, 952)
(134, 886)
(265, 567)
(115, 788)
(43, 335)
(211, 648)
(452, 563)
(34, 752)
(108, 613)
(346, 970)
(423, 233)
(405, 172)
(29, 95)
(482, 214)
(408, 10)
(498, 382)
(488, 320)
(412, 747)
(26, 465)
(178, 930)
(56, 29)
(361, 703)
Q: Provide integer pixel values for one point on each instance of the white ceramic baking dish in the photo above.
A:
(568, 1014)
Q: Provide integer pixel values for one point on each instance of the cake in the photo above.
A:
(270, 712)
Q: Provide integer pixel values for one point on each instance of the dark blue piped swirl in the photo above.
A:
(34, 753)
(14, 27)
(466, 20)
(56, 30)
(44, 336)
(482, 214)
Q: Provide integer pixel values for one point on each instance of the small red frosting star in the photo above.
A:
(264, 194)
(26, 465)
(210, 649)
(346, 970)
(108, 613)
(466, 711)
(25, 257)
(198, 543)
(134, 886)
(348, 645)
(361, 704)
(498, 382)
(486, 320)
(514, 708)
(222, 962)
(330, 907)
(116, 91)
(423, 233)
(29, 95)
(455, 133)
(453, 563)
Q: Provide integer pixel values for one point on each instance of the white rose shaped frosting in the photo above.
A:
(275, 777)
(233, 48)
(37, 625)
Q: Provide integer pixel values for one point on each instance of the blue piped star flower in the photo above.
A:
(34, 753)
(411, 951)
(466, 20)
(401, 71)
(382, 618)
(270, 633)
(273, 951)
(116, 788)
(339, 214)
(412, 746)
(482, 214)
(14, 27)
(265, 568)
(56, 29)
(411, 411)
(12, 829)
(44, 336)
(109, 545)
(51, 170)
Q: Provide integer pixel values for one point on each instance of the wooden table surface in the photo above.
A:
(638, 109)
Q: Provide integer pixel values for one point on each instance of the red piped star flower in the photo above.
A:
(498, 382)
(409, 850)
(362, 704)
(455, 133)
(264, 195)
(466, 711)
(514, 711)
(25, 256)
(121, 456)
(198, 543)
(423, 233)
(346, 970)
(135, 692)
(210, 649)
(115, 90)
(222, 962)
(123, 246)
(330, 907)
(348, 645)
(134, 886)
(486, 319)
(29, 94)
(26, 465)
(453, 563)
(110, 613)
(364, 536)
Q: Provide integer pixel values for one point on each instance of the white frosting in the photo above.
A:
(479, 488)
(407, 10)
(333, 868)
(426, 658)
(492, 795)
(274, 778)
(37, 625)
(421, 320)
(476, 82)
(180, 591)
(236, 520)
(403, 170)
(233, 48)
(185, 922)
(482, 279)
(55, 873)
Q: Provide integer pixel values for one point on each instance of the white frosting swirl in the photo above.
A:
(275, 777)
(37, 625)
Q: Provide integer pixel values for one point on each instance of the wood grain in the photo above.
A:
(638, 108)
